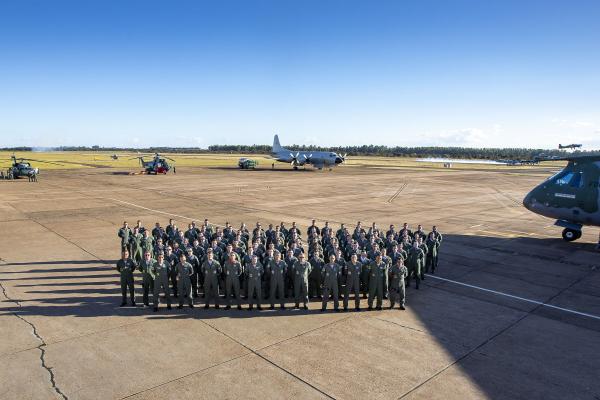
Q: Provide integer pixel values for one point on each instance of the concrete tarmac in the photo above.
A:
(63, 334)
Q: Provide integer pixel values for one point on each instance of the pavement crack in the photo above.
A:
(41, 347)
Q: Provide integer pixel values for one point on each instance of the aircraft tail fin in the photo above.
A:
(276, 145)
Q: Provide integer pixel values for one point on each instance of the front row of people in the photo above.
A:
(383, 280)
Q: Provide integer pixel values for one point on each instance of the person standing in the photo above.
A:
(184, 281)
(397, 285)
(277, 269)
(124, 234)
(211, 270)
(255, 272)
(378, 272)
(126, 266)
(145, 268)
(233, 270)
(160, 275)
(331, 272)
(301, 271)
(353, 270)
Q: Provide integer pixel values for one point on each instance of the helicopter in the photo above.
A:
(158, 165)
(21, 168)
(571, 196)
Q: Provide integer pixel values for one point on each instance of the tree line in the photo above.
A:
(364, 150)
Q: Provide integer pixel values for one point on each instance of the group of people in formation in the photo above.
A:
(275, 264)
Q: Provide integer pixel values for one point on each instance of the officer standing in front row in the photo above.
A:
(255, 272)
(211, 270)
(184, 281)
(277, 268)
(147, 280)
(331, 272)
(126, 266)
(301, 270)
(233, 270)
(160, 275)
(354, 269)
(378, 272)
(397, 285)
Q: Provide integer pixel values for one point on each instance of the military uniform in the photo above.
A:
(397, 285)
(126, 268)
(211, 270)
(301, 271)
(377, 276)
(233, 270)
(160, 275)
(184, 282)
(364, 275)
(195, 262)
(277, 271)
(353, 284)
(135, 242)
(415, 256)
(331, 272)
(124, 234)
(145, 268)
(315, 277)
(255, 273)
(432, 255)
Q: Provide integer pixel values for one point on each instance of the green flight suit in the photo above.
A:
(255, 272)
(425, 250)
(432, 255)
(160, 274)
(126, 268)
(124, 234)
(184, 282)
(147, 244)
(301, 271)
(145, 267)
(211, 270)
(414, 262)
(397, 285)
(233, 270)
(331, 273)
(315, 277)
(277, 270)
(364, 275)
(135, 242)
(353, 284)
(377, 276)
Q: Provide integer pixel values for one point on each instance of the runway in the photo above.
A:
(512, 312)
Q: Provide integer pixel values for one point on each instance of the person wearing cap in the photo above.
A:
(145, 267)
(124, 233)
(397, 285)
(255, 272)
(277, 268)
(331, 273)
(353, 270)
(301, 271)
(125, 267)
(233, 270)
(211, 270)
(160, 275)
(184, 282)
(378, 272)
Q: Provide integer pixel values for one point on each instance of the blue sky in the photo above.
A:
(143, 73)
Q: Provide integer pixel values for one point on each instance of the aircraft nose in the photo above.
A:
(338, 160)
(528, 200)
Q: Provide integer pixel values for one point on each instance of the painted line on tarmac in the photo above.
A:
(156, 211)
(540, 303)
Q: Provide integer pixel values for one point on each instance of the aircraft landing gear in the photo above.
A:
(569, 234)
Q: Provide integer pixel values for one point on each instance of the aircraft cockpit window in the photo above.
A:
(569, 178)
(577, 180)
(564, 178)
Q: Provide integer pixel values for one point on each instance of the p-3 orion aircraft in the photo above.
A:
(572, 196)
(317, 159)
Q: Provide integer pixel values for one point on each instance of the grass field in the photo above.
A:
(71, 160)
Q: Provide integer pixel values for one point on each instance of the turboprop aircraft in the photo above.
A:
(317, 159)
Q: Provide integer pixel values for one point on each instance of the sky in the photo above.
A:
(496, 73)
